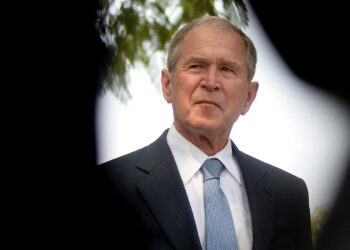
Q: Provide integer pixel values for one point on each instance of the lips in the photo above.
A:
(209, 102)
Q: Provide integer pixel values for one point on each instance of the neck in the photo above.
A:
(208, 142)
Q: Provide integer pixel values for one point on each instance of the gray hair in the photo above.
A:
(216, 22)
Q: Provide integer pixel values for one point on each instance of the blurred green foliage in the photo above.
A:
(133, 31)
(318, 219)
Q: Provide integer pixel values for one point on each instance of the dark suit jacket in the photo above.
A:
(145, 206)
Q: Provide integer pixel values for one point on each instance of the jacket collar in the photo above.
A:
(261, 199)
(164, 193)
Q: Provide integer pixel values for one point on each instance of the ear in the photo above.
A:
(166, 85)
(251, 94)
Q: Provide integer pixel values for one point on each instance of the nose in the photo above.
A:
(210, 79)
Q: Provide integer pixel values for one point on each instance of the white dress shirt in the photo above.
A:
(189, 160)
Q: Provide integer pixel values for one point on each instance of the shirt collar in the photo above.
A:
(190, 158)
(227, 158)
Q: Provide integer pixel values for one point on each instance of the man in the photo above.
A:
(161, 196)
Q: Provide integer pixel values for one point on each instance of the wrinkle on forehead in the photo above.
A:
(213, 38)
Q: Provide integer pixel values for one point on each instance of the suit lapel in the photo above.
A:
(261, 200)
(165, 195)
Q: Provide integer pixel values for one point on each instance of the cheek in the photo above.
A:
(181, 99)
(235, 98)
(183, 89)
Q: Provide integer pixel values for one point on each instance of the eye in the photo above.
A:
(194, 66)
(226, 69)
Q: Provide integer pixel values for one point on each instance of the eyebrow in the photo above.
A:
(197, 60)
(228, 63)
(221, 61)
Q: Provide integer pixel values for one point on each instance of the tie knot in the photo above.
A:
(212, 168)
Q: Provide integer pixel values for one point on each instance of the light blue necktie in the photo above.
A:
(220, 230)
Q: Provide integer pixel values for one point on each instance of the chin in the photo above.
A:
(206, 125)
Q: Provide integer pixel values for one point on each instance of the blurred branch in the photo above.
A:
(134, 31)
(318, 219)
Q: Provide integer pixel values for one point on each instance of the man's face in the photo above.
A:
(209, 88)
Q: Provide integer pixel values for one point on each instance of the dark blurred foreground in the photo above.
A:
(311, 37)
(53, 189)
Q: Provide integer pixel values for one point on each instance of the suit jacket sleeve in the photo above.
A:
(292, 226)
(303, 231)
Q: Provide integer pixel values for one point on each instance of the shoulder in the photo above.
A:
(288, 191)
(276, 178)
(127, 159)
(120, 173)
(128, 163)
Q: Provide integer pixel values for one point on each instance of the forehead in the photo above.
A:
(213, 41)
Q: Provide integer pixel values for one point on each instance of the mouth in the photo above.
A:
(207, 102)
